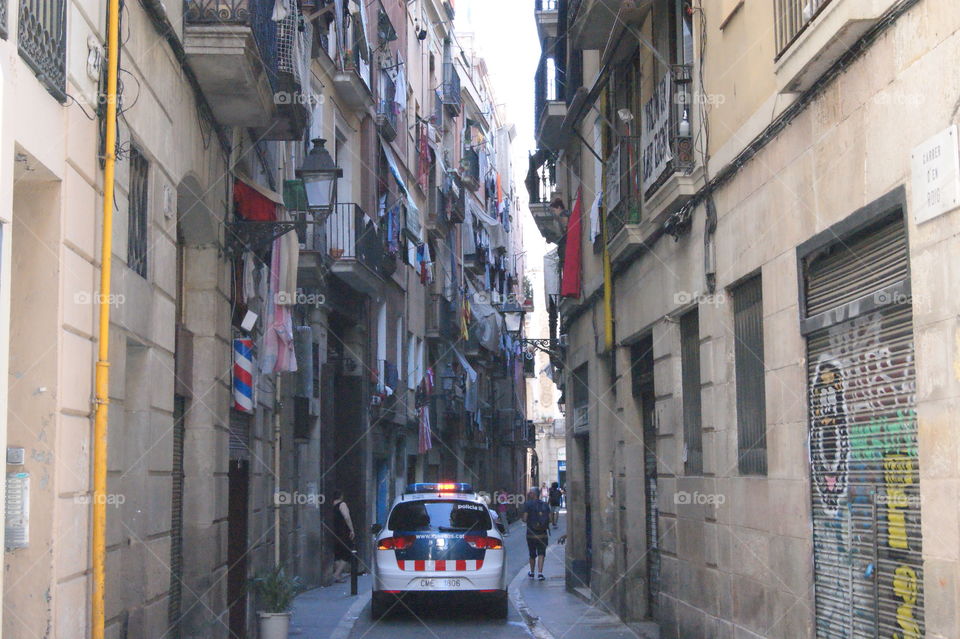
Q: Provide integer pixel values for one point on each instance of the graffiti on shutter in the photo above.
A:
(863, 443)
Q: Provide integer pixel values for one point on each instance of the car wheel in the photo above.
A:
(379, 606)
(499, 606)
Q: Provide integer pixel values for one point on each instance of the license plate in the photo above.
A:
(440, 584)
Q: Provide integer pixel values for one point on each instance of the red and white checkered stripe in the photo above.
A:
(440, 565)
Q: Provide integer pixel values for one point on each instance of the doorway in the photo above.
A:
(643, 392)
(239, 489)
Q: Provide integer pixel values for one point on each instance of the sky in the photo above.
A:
(506, 37)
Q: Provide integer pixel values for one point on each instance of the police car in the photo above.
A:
(440, 539)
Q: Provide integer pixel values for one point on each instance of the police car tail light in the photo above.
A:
(483, 543)
(396, 543)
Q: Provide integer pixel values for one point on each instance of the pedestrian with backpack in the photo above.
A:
(536, 514)
(556, 495)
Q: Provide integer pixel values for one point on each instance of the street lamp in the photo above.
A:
(319, 174)
(512, 317)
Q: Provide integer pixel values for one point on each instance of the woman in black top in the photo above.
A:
(343, 536)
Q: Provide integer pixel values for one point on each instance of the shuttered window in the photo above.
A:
(751, 389)
(137, 218)
(690, 365)
(581, 400)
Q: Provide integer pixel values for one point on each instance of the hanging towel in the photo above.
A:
(289, 254)
(278, 352)
(570, 284)
(595, 217)
(425, 441)
(249, 288)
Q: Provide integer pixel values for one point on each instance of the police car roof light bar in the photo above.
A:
(443, 487)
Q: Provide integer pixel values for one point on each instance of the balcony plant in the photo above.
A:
(275, 593)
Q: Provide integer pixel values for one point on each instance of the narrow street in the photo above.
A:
(418, 622)
(295, 290)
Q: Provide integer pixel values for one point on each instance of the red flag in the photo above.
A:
(570, 282)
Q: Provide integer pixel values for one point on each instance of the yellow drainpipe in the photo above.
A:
(102, 378)
(607, 288)
(607, 274)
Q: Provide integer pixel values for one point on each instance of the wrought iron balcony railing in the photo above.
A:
(41, 38)
(549, 83)
(352, 236)
(470, 169)
(542, 181)
(255, 14)
(668, 115)
(451, 89)
(792, 17)
(387, 118)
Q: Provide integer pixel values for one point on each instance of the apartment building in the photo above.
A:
(754, 207)
(267, 346)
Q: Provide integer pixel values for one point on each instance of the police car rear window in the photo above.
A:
(439, 515)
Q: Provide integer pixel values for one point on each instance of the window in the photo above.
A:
(581, 399)
(138, 215)
(681, 33)
(41, 36)
(411, 362)
(439, 515)
(690, 371)
(751, 396)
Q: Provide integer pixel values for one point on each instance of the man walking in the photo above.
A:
(556, 495)
(536, 514)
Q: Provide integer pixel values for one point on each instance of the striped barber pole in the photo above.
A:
(440, 565)
(243, 375)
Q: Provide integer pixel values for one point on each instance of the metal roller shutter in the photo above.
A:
(863, 442)
(176, 521)
(239, 435)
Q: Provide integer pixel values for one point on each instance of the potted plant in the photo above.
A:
(275, 593)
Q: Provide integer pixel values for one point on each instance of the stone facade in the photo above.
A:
(828, 148)
(194, 506)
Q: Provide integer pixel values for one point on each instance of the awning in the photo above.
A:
(482, 215)
(413, 213)
(498, 236)
(255, 202)
(471, 374)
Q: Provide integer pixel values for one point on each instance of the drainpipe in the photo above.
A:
(278, 406)
(102, 375)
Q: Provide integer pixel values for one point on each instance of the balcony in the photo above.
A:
(249, 67)
(41, 39)
(387, 115)
(627, 230)
(669, 174)
(456, 201)
(353, 248)
(550, 108)
(812, 34)
(353, 82)
(450, 91)
(541, 183)
(592, 21)
(547, 16)
(470, 169)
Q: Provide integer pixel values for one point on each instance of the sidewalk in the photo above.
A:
(553, 613)
(329, 612)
